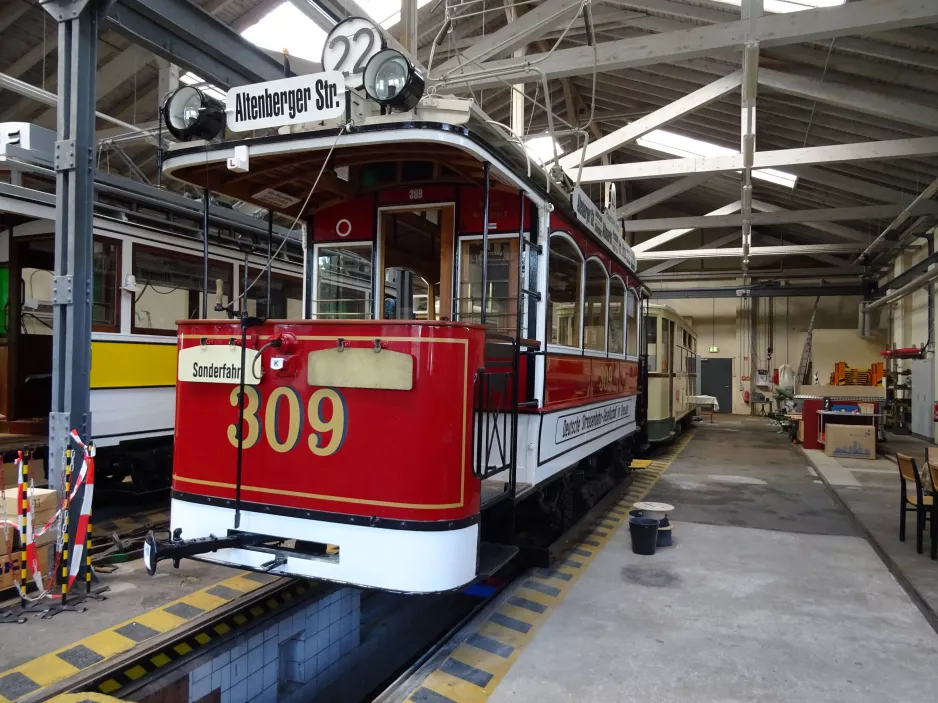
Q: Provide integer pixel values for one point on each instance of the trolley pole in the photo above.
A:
(74, 166)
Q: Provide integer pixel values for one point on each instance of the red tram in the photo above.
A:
(467, 364)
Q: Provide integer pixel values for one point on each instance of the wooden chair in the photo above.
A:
(931, 459)
(917, 502)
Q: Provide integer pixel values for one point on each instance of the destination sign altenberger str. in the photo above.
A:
(310, 98)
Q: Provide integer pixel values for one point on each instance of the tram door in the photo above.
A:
(669, 340)
(416, 281)
(27, 325)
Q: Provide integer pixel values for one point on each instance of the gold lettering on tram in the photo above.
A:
(294, 421)
(326, 411)
(251, 406)
(605, 380)
(336, 423)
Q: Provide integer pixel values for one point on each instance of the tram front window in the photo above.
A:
(286, 296)
(417, 258)
(406, 295)
(501, 300)
(343, 289)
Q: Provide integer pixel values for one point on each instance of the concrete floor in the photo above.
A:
(768, 595)
(870, 490)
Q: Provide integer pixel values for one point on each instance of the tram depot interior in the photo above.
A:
(739, 324)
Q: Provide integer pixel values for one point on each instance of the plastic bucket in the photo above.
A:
(664, 532)
(644, 533)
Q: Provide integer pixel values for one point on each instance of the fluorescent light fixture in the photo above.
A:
(189, 78)
(541, 149)
(689, 148)
(782, 6)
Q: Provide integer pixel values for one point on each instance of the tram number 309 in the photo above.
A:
(328, 426)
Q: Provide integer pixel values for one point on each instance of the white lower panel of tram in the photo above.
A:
(396, 560)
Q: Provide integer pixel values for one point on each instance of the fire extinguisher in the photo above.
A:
(746, 400)
(936, 412)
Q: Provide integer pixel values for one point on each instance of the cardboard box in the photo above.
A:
(44, 502)
(850, 441)
(10, 566)
(800, 431)
(37, 474)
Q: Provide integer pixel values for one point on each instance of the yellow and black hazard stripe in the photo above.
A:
(189, 647)
(472, 671)
(55, 667)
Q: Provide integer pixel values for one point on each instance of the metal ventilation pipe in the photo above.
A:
(905, 290)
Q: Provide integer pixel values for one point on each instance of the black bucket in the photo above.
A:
(664, 532)
(644, 533)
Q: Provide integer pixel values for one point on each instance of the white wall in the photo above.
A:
(726, 322)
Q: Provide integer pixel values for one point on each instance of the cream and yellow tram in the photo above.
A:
(672, 372)
(149, 261)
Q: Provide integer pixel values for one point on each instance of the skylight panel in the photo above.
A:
(541, 149)
(689, 148)
(783, 6)
(287, 28)
(387, 13)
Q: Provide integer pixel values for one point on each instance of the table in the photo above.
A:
(705, 401)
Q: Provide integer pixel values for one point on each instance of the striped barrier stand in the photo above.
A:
(62, 573)
(89, 483)
(29, 557)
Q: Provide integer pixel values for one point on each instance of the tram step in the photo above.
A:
(493, 557)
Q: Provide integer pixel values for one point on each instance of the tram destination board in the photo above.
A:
(310, 98)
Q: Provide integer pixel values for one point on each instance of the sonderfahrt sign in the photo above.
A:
(310, 98)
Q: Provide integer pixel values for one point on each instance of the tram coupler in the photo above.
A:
(155, 551)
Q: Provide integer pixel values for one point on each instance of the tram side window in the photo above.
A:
(344, 283)
(631, 324)
(105, 310)
(652, 323)
(169, 288)
(616, 316)
(563, 292)
(595, 317)
(286, 297)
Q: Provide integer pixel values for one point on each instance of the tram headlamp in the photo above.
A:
(188, 113)
(391, 80)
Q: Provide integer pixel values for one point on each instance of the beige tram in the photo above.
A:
(672, 372)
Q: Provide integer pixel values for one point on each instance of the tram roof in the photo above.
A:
(289, 164)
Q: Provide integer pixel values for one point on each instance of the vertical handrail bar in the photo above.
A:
(270, 241)
(486, 167)
(205, 213)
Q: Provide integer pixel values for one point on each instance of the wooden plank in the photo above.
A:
(447, 257)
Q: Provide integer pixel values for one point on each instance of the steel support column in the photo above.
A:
(74, 164)
(750, 10)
